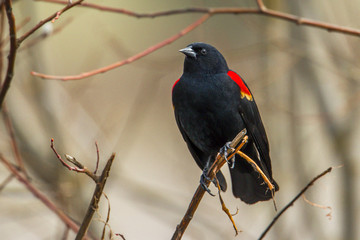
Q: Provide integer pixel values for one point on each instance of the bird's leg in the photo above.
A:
(203, 179)
(223, 152)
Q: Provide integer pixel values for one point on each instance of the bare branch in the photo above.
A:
(97, 157)
(329, 214)
(6, 181)
(14, 145)
(292, 201)
(261, 5)
(93, 206)
(12, 54)
(262, 10)
(106, 223)
(225, 209)
(48, 19)
(131, 59)
(78, 166)
(218, 163)
(99, 180)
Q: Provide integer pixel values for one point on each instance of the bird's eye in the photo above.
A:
(203, 51)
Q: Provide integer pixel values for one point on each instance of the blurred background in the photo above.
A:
(305, 81)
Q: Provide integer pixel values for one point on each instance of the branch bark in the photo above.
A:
(262, 10)
(219, 162)
(48, 19)
(93, 206)
(12, 54)
(209, 12)
(130, 59)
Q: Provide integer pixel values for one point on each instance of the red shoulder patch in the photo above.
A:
(175, 84)
(243, 89)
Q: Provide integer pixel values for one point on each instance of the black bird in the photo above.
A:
(212, 104)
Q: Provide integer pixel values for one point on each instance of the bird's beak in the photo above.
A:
(188, 51)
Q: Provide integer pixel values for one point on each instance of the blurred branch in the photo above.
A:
(14, 145)
(262, 10)
(65, 219)
(15, 43)
(293, 201)
(130, 59)
(78, 166)
(6, 181)
(99, 180)
(48, 19)
(329, 214)
(209, 12)
(200, 191)
(12, 54)
(47, 32)
(18, 27)
(94, 204)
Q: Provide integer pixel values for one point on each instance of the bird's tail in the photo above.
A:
(247, 184)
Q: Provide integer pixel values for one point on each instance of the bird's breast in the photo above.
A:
(207, 109)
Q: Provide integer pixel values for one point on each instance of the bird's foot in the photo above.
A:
(203, 179)
(223, 152)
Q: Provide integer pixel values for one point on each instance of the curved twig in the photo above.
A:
(261, 10)
(292, 201)
(130, 59)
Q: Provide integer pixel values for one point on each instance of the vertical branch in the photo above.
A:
(100, 184)
(12, 54)
(2, 20)
(10, 129)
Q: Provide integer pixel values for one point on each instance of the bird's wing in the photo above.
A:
(200, 157)
(197, 154)
(254, 126)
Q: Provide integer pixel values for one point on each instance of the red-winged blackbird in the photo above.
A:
(212, 104)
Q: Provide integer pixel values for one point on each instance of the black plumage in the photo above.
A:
(212, 104)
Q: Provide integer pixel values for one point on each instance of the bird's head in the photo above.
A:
(203, 58)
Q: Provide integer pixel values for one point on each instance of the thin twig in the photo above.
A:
(257, 168)
(195, 201)
(97, 157)
(261, 10)
(6, 181)
(292, 201)
(78, 166)
(48, 19)
(65, 234)
(106, 223)
(225, 209)
(14, 145)
(2, 21)
(45, 34)
(130, 59)
(329, 214)
(93, 206)
(17, 28)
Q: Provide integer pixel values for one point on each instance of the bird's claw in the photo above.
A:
(203, 184)
(223, 152)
